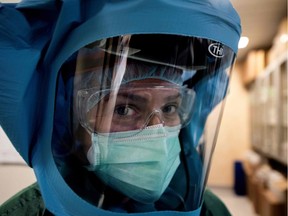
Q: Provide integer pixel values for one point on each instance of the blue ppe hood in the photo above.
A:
(38, 36)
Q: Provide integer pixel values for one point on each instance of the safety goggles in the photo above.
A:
(134, 108)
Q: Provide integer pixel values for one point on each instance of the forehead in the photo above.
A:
(161, 91)
(150, 86)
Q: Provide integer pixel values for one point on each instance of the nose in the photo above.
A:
(155, 118)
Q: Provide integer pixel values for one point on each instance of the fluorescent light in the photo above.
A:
(284, 38)
(243, 42)
(10, 1)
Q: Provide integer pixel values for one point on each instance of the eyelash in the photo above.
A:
(174, 105)
(135, 109)
(125, 106)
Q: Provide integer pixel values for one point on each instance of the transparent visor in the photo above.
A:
(136, 117)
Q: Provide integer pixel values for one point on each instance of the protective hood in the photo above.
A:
(37, 38)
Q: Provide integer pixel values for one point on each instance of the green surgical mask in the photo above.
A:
(139, 166)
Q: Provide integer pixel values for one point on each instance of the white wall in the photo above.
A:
(13, 179)
(14, 174)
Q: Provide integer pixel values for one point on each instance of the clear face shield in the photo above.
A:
(131, 117)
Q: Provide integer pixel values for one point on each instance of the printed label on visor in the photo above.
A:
(216, 50)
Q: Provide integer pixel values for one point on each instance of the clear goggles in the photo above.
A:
(134, 108)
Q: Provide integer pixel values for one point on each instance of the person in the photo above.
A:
(109, 103)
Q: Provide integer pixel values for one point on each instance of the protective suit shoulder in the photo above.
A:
(213, 206)
(25, 202)
(29, 202)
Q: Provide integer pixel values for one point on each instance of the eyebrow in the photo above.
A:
(133, 97)
(174, 97)
(141, 99)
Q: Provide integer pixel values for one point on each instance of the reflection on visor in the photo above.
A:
(129, 109)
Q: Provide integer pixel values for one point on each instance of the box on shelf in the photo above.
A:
(266, 189)
(253, 66)
(270, 205)
(251, 164)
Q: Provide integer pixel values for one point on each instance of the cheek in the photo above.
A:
(123, 127)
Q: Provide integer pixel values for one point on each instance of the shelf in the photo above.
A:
(274, 160)
(269, 98)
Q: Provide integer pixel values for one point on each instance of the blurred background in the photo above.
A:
(249, 167)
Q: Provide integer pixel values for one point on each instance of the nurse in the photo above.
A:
(109, 103)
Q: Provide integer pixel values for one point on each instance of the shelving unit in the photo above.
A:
(283, 111)
(269, 104)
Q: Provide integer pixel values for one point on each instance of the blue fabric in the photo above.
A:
(20, 84)
(38, 36)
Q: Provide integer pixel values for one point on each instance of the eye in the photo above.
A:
(170, 109)
(124, 110)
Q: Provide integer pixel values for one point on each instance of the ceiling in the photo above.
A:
(260, 21)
